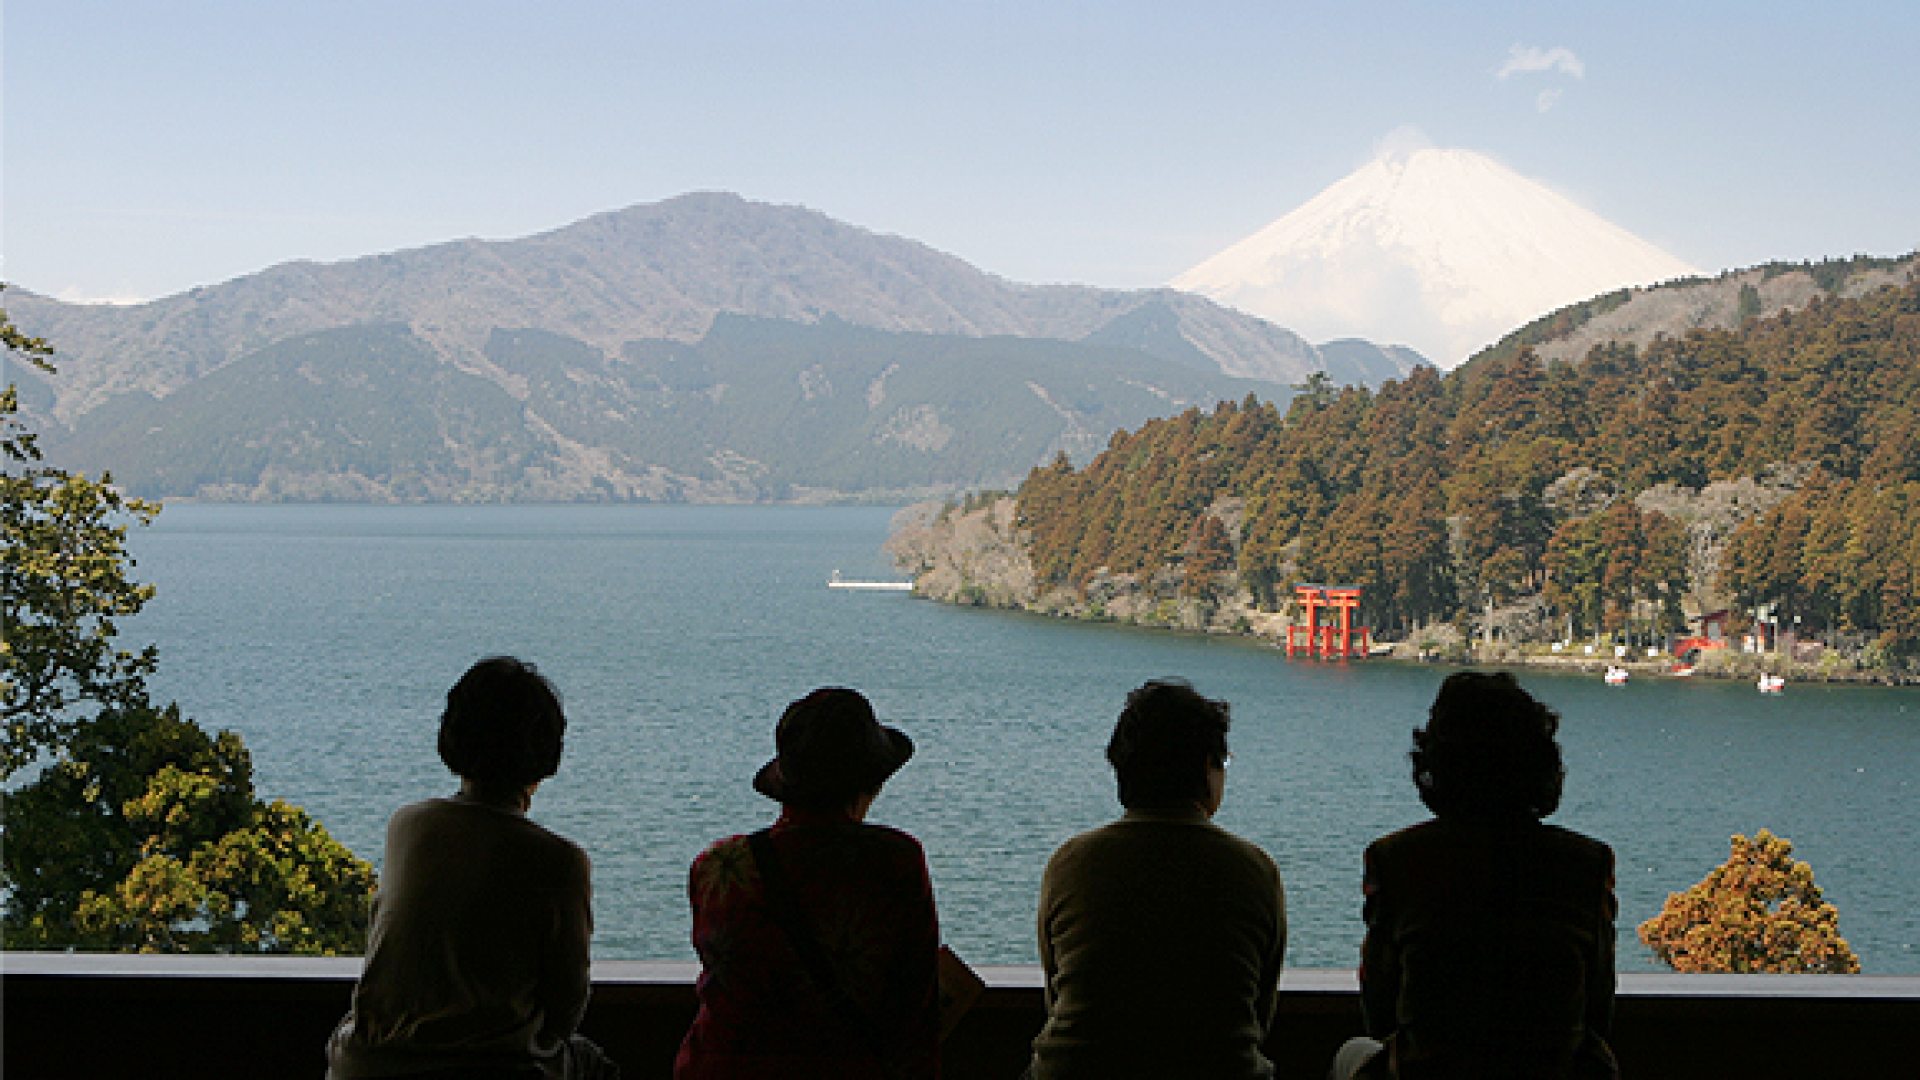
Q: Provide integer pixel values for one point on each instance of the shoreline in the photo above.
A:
(1745, 667)
(976, 556)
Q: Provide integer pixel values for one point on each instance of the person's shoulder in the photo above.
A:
(1416, 833)
(1597, 851)
(1424, 832)
(722, 850)
(561, 854)
(725, 842)
(1245, 848)
(418, 818)
(887, 838)
(1092, 839)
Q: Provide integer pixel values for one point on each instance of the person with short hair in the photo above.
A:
(477, 964)
(1489, 946)
(1161, 934)
(817, 937)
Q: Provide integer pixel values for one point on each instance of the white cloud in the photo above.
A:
(74, 294)
(1400, 142)
(1528, 59)
(1547, 99)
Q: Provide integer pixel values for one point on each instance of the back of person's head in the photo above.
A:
(1488, 750)
(503, 724)
(1166, 741)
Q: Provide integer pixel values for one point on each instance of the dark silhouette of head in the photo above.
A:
(503, 725)
(1488, 750)
(831, 750)
(1166, 741)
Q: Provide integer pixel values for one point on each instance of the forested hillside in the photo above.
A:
(758, 409)
(1774, 464)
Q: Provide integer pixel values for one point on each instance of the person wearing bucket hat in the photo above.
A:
(830, 748)
(817, 937)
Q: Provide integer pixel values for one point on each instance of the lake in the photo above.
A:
(328, 635)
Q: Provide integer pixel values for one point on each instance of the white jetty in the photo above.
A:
(837, 582)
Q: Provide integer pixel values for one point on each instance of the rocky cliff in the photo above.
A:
(974, 553)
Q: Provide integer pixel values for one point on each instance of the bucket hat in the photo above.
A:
(830, 747)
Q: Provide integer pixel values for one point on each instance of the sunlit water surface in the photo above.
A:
(327, 637)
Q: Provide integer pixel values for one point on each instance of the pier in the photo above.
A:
(837, 582)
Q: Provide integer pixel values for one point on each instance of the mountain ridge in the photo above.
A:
(756, 410)
(652, 271)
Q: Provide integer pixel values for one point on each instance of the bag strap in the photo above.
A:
(784, 906)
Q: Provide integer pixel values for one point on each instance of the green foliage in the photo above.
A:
(1759, 912)
(140, 831)
(1831, 274)
(62, 586)
(1318, 391)
(146, 836)
(1601, 568)
(1552, 326)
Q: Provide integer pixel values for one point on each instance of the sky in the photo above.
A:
(150, 148)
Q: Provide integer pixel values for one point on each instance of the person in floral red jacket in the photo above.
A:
(817, 937)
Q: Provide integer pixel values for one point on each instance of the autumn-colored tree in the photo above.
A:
(1758, 912)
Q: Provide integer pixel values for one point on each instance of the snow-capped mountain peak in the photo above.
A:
(1442, 250)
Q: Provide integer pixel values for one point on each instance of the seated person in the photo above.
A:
(817, 937)
(1161, 934)
(477, 964)
(1489, 947)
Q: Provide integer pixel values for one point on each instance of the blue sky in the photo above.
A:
(153, 147)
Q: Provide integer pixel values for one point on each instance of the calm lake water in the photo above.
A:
(327, 637)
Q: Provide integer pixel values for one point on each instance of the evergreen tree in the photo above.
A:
(140, 831)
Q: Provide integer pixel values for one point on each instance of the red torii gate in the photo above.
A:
(1327, 642)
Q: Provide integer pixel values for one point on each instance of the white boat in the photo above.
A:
(1617, 676)
(1772, 684)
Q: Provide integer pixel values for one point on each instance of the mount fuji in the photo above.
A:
(1441, 250)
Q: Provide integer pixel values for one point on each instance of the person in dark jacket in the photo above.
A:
(1489, 945)
(1161, 934)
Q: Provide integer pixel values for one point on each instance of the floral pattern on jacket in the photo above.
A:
(864, 891)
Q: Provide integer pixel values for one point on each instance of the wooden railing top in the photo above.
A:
(998, 976)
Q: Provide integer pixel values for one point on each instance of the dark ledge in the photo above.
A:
(84, 1015)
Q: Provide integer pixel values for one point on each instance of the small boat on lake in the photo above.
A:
(1617, 676)
(1772, 684)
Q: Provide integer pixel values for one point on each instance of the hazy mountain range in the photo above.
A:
(704, 348)
(658, 271)
(1442, 250)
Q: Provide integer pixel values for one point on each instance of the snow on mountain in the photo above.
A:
(1441, 250)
